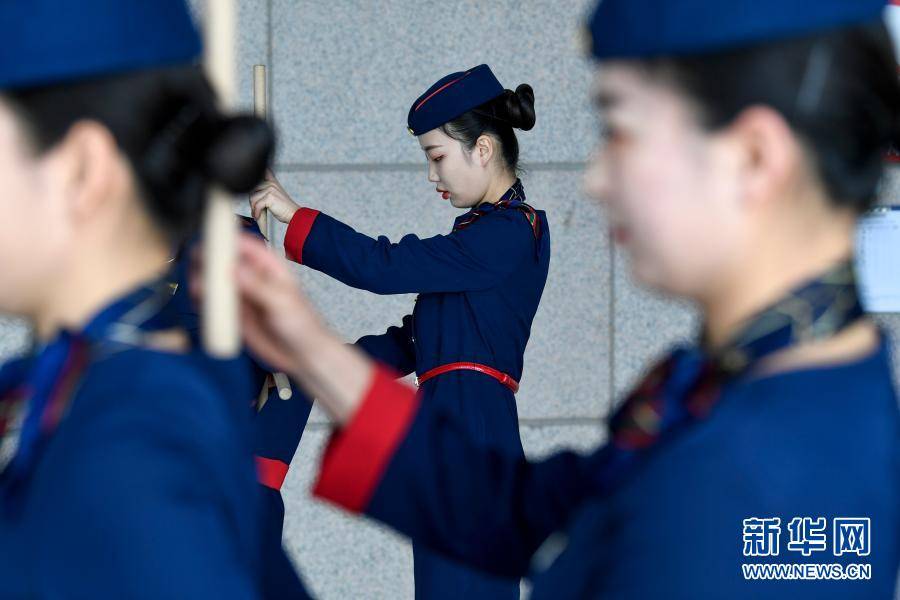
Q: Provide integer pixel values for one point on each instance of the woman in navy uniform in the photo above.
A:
(479, 285)
(126, 452)
(743, 140)
(278, 424)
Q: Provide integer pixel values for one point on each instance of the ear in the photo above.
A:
(485, 146)
(91, 165)
(767, 154)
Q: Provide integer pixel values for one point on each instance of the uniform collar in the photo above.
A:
(35, 392)
(512, 197)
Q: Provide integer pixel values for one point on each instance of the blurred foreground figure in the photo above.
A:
(127, 453)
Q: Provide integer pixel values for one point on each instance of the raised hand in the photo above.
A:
(279, 323)
(270, 194)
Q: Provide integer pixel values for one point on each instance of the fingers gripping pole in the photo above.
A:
(261, 110)
(221, 334)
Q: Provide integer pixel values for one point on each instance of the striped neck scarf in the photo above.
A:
(514, 198)
(36, 391)
(685, 387)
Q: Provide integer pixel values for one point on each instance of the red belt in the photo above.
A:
(500, 376)
(271, 472)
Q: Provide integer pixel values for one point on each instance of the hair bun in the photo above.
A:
(239, 153)
(520, 107)
(196, 149)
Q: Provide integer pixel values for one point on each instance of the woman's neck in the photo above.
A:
(96, 277)
(772, 270)
(497, 188)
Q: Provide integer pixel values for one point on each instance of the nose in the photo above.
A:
(432, 173)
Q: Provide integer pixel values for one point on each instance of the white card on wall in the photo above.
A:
(878, 259)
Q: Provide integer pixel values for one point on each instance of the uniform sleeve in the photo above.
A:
(393, 348)
(475, 258)
(280, 424)
(411, 467)
(168, 492)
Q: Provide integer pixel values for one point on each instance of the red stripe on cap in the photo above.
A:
(271, 472)
(439, 90)
(358, 455)
(297, 232)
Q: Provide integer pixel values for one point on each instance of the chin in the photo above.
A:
(650, 276)
(460, 203)
(12, 307)
(659, 281)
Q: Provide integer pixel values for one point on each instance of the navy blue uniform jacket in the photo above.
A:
(146, 489)
(819, 442)
(478, 291)
(279, 427)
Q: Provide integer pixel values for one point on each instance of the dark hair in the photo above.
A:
(497, 117)
(837, 90)
(167, 124)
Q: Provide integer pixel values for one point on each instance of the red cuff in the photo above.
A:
(271, 472)
(358, 455)
(297, 232)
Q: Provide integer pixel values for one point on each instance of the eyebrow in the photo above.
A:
(432, 147)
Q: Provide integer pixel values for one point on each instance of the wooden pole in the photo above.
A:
(284, 386)
(261, 109)
(221, 332)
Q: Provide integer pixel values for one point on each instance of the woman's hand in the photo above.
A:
(278, 322)
(271, 195)
(283, 329)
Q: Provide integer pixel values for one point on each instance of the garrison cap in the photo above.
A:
(49, 41)
(452, 96)
(646, 28)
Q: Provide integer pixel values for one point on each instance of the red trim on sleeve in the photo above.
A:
(358, 455)
(297, 232)
(271, 472)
